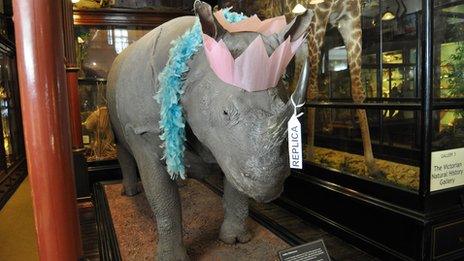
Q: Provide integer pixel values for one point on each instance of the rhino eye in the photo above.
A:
(230, 114)
(225, 115)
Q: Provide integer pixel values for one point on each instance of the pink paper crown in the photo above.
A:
(253, 24)
(253, 70)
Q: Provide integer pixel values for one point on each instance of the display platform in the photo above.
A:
(128, 230)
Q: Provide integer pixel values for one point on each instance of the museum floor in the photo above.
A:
(17, 221)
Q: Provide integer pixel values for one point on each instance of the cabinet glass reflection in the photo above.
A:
(97, 47)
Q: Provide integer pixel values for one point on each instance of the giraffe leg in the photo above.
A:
(315, 41)
(350, 29)
(312, 93)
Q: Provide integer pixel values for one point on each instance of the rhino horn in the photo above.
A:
(276, 125)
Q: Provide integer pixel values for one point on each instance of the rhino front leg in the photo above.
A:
(163, 195)
(234, 227)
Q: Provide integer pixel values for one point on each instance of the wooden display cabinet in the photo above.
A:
(12, 155)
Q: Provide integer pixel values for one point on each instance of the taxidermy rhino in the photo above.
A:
(244, 132)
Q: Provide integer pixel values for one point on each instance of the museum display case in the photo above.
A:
(97, 48)
(409, 205)
(12, 164)
(101, 34)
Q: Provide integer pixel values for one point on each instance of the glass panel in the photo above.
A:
(448, 127)
(98, 137)
(398, 82)
(389, 76)
(448, 50)
(400, 21)
(9, 121)
(395, 138)
(369, 82)
(97, 48)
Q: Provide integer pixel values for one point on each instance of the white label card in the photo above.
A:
(447, 169)
(86, 139)
(295, 147)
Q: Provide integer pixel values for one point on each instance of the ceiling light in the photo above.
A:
(299, 9)
(75, 1)
(387, 16)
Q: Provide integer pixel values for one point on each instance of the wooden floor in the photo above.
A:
(18, 238)
(89, 232)
(9, 182)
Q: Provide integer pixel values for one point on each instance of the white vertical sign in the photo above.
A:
(295, 147)
(447, 169)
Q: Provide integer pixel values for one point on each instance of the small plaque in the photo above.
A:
(86, 139)
(313, 251)
(447, 169)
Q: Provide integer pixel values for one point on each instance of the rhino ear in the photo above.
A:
(298, 27)
(209, 24)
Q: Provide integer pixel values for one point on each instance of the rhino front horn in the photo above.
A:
(299, 95)
(277, 125)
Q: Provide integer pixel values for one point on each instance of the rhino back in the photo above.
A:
(133, 80)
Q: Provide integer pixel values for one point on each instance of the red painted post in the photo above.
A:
(74, 107)
(44, 105)
(72, 72)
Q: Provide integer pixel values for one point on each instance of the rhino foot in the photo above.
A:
(130, 191)
(168, 253)
(230, 233)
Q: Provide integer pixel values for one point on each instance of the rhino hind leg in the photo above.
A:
(129, 172)
(163, 196)
(234, 228)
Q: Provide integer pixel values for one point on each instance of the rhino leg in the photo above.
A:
(234, 227)
(129, 172)
(163, 195)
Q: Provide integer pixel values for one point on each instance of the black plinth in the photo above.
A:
(81, 175)
(404, 227)
(127, 230)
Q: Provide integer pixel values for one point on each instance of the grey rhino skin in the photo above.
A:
(245, 133)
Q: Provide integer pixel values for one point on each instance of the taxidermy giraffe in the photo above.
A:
(345, 15)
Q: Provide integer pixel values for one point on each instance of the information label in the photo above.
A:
(447, 170)
(314, 251)
(86, 139)
(295, 146)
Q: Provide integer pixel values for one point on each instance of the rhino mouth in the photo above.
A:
(267, 199)
(259, 190)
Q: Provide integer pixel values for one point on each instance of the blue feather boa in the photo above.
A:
(171, 87)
